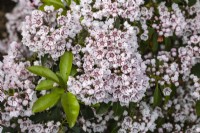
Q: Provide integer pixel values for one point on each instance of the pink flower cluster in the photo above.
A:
(45, 34)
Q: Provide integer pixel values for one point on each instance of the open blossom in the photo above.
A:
(170, 21)
(96, 126)
(14, 77)
(120, 65)
(16, 17)
(27, 125)
(113, 70)
(129, 124)
(44, 33)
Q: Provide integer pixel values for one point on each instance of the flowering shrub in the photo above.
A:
(106, 66)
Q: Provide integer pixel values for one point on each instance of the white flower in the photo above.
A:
(167, 91)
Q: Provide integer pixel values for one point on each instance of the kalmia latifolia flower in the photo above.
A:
(27, 125)
(45, 33)
(99, 124)
(113, 69)
(17, 90)
(129, 124)
(128, 54)
(16, 17)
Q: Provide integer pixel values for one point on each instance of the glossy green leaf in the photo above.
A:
(73, 71)
(45, 85)
(71, 107)
(112, 126)
(96, 105)
(46, 101)
(177, 1)
(87, 112)
(157, 97)
(44, 72)
(118, 109)
(103, 108)
(66, 65)
(56, 3)
(68, 2)
(83, 34)
(44, 58)
(62, 83)
(195, 70)
(151, 32)
(117, 23)
(7, 129)
(160, 121)
(77, 2)
(58, 90)
(167, 98)
(132, 109)
(191, 2)
(52, 114)
(168, 43)
(198, 108)
(158, 1)
(155, 42)
(41, 7)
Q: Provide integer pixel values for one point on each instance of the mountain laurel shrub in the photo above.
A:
(101, 66)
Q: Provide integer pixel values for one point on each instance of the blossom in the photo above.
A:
(40, 32)
(101, 86)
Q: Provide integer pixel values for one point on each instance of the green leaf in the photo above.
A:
(77, 2)
(132, 109)
(191, 2)
(195, 70)
(82, 36)
(45, 85)
(62, 83)
(66, 65)
(118, 109)
(112, 126)
(71, 107)
(168, 43)
(167, 98)
(96, 105)
(41, 7)
(44, 72)
(73, 71)
(8, 129)
(117, 23)
(46, 101)
(144, 47)
(87, 112)
(158, 1)
(151, 32)
(157, 97)
(56, 3)
(76, 129)
(177, 1)
(58, 90)
(160, 121)
(45, 116)
(198, 108)
(44, 58)
(155, 42)
(103, 108)
(68, 2)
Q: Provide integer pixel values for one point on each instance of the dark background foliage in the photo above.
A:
(5, 6)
